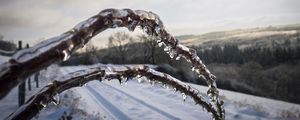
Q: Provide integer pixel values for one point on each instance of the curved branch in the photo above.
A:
(47, 95)
(28, 61)
(77, 79)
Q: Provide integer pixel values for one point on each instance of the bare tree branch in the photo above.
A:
(57, 49)
(79, 78)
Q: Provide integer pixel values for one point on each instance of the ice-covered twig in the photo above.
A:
(100, 72)
(166, 80)
(28, 61)
(47, 95)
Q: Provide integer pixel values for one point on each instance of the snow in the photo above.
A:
(134, 100)
(3, 59)
(32, 52)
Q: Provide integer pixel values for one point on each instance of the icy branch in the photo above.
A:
(57, 49)
(100, 72)
(47, 95)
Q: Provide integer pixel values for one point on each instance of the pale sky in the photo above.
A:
(31, 20)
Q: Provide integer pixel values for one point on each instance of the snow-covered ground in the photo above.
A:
(3, 59)
(139, 101)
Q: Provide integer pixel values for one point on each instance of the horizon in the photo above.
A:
(52, 18)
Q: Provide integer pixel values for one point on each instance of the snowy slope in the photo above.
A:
(3, 59)
(110, 100)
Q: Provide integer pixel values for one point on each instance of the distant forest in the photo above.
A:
(264, 56)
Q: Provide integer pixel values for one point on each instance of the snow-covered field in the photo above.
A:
(139, 101)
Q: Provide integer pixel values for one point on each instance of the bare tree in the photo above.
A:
(149, 47)
(91, 55)
(120, 42)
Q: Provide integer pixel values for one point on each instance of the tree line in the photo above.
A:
(264, 56)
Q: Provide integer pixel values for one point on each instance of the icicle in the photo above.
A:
(152, 83)
(139, 80)
(66, 55)
(193, 68)
(159, 40)
(55, 99)
(43, 103)
(183, 96)
(129, 19)
(120, 81)
(164, 86)
(178, 57)
(171, 55)
(124, 83)
(160, 44)
(175, 90)
(157, 30)
(167, 48)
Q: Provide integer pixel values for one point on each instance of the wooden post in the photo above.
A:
(29, 78)
(22, 86)
(36, 79)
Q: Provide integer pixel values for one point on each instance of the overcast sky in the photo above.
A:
(31, 20)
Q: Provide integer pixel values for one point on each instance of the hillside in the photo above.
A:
(110, 100)
(261, 36)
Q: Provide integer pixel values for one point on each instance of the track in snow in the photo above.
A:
(143, 103)
(105, 104)
(97, 94)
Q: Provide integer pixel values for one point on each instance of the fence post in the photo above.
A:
(29, 78)
(22, 86)
(36, 79)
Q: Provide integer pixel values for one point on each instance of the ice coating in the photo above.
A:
(29, 53)
(62, 46)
